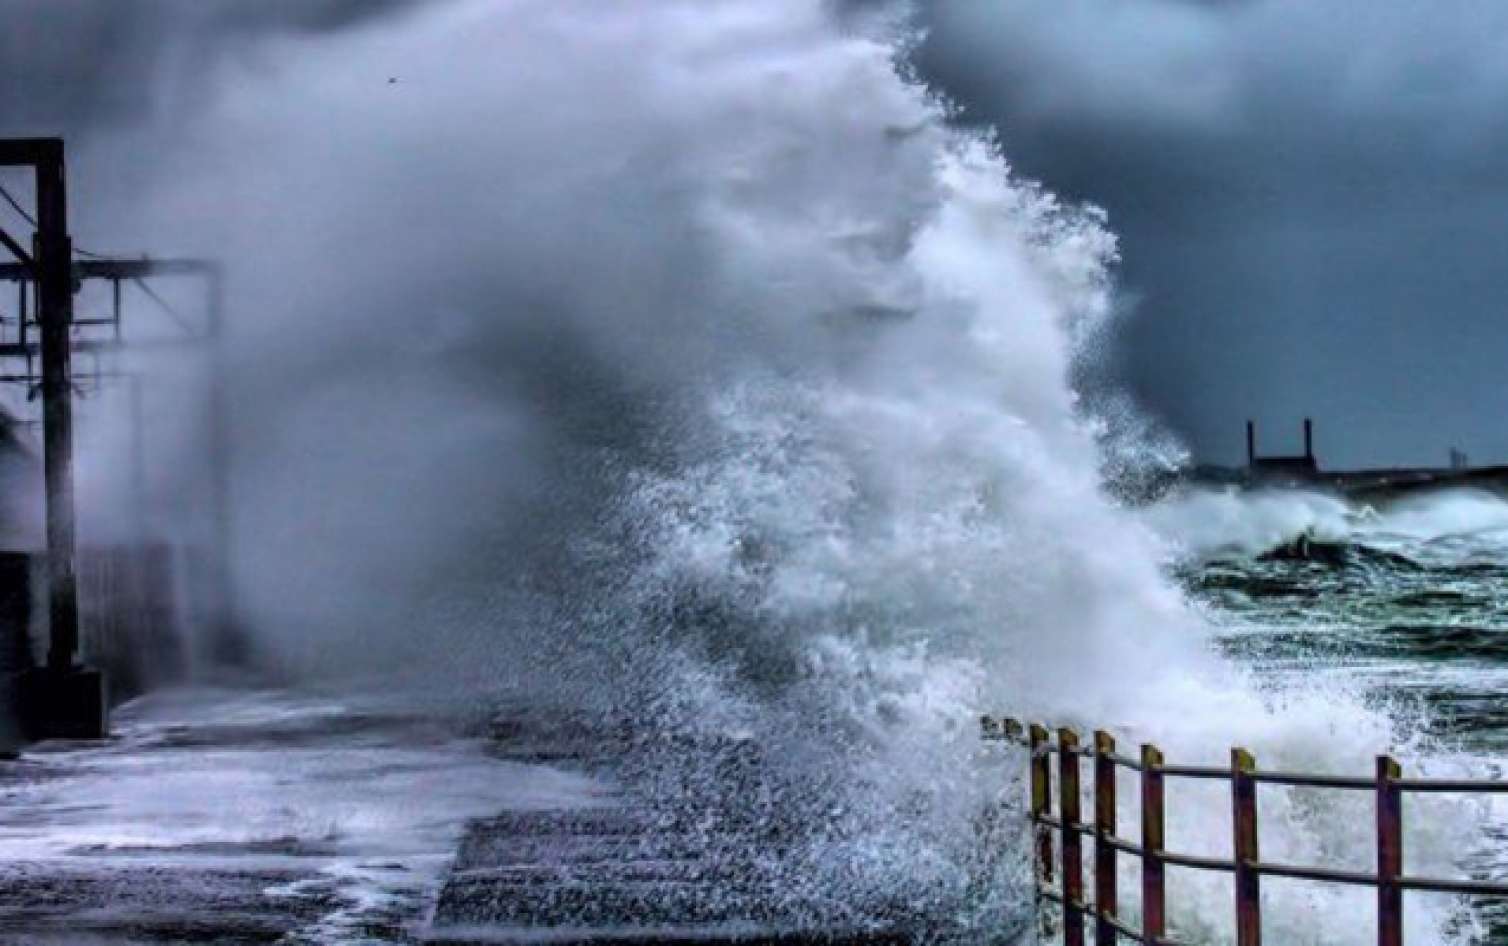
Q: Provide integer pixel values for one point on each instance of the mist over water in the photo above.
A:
(679, 365)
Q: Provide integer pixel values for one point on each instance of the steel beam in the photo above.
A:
(227, 643)
(27, 264)
(122, 269)
(62, 698)
(31, 152)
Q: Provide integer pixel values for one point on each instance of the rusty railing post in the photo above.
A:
(1041, 778)
(1072, 840)
(1244, 825)
(1154, 897)
(1105, 899)
(1389, 853)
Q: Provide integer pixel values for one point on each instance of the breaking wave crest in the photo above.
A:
(1425, 526)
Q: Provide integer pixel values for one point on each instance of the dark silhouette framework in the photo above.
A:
(37, 349)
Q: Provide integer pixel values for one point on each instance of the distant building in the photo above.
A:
(1281, 468)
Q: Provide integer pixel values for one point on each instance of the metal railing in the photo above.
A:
(1387, 784)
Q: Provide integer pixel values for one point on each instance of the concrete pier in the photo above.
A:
(259, 816)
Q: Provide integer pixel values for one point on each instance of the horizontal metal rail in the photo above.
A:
(1245, 863)
(1471, 887)
(1195, 861)
(30, 151)
(1473, 786)
(1193, 771)
(1298, 779)
(1315, 873)
(120, 269)
(1130, 847)
(1301, 780)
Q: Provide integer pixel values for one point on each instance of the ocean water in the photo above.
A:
(1404, 598)
(1399, 601)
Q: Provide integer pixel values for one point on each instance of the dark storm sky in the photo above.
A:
(1312, 198)
(1312, 194)
(76, 66)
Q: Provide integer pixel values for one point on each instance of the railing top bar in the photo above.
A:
(1297, 779)
(1449, 785)
(1313, 781)
(1195, 861)
(1193, 771)
(1329, 875)
(1007, 729)
(1438, 885)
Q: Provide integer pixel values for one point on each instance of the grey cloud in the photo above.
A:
(71, 67)
(1311, 196)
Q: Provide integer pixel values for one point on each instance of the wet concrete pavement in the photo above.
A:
(251, 817)
(239, 817)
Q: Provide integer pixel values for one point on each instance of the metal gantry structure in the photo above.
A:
(63, 697)
(50, 265)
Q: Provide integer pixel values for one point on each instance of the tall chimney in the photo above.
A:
(1251, 443)
(1308, 439)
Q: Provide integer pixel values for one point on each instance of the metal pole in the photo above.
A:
(1073, 852)
(1041, 781)
(1389, 853)
(1244, 822)
(1154, 900)
(54, 254)
(1105, 898)
(1041, 772)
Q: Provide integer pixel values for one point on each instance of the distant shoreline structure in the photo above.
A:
(1303, 471)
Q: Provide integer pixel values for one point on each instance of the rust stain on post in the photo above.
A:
(1389, 853)
(1072, 841)
(1244, 822)
(1041, 777)
(1154, 902)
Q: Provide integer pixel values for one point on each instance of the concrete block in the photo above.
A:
(64, 704)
